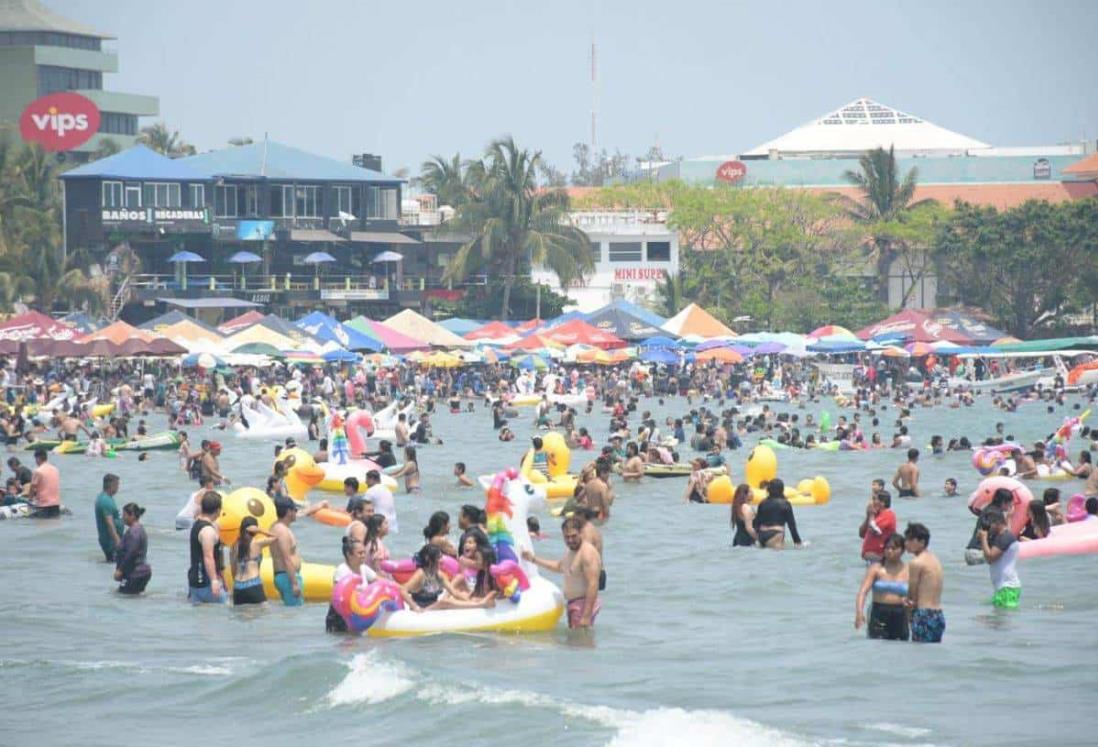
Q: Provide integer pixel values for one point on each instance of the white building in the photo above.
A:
(634, 250)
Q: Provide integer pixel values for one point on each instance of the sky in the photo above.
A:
(408, 80)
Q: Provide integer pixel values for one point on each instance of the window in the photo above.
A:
(52, 79)
(282, 201)
(381, 203)
(112, 194)
(113, 123)
(341, 201)
(160, 194)
(305, 201)
(274, 194)
(133, 195)
(625, 251)
(248, 204)
(198, 195)
(659, 251)
(48, 39)
(596, 252)
(225, 201)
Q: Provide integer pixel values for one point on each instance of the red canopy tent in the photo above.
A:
(491, 331)
(915, 326)
(535, 341)
(580, 332)
(34, 325)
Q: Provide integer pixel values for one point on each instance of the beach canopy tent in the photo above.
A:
(694, 320)
(419, 327)
(535, 341)
(83, 323)
(259, 332)
(1058, 343)
(238, 323)
(566, 317)
(658, 341)
(911, 325)
(393, 340)
(34, 325)
(496, 332)
(191, 333)
(578, 331)
(118, 332)
(622, 324)
(328, 329)
(461, 326)
(302, 339)
(632, 309)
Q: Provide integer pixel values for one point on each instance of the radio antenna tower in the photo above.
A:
(594, 98)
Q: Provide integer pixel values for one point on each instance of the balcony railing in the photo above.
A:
(327, 287)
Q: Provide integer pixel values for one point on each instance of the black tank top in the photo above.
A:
(196, 574)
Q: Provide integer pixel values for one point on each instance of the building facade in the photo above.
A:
(42, 53)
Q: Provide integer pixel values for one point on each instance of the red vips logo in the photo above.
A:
(731, 171)
(59, 121)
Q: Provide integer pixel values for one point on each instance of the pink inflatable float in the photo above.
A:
(1022, 496)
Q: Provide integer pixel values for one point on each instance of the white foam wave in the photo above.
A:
(371, 680)
(210, 670)
(898, 729)
(672, 726)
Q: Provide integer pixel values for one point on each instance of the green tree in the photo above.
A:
(158, 137)
(446, 179)
(107, 147)
(884, 209)
(515, 225)
(1027, 266)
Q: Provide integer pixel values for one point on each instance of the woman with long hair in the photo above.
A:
(888, 580)
(131, 567)
(409, 471)
(743, 516)
(377, 528)
(437, 533)
(1038, 524)
(430, 589)
(773, 515)
(244, 557)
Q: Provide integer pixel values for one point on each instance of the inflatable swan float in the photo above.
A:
(264, 422)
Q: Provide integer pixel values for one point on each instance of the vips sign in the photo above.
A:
(59, 121)
(731, 172)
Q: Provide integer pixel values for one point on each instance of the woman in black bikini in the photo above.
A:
(773, 515)
(431, 590)
(743, 516)
(244, 560)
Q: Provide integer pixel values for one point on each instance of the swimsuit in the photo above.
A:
(285, 589)
(575, 611)
(907, 493)
(927, 626)
(1007, 597)
(887, 621)
(741, 538)
(429, 593)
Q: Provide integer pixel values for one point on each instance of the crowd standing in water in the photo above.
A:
(727, 408)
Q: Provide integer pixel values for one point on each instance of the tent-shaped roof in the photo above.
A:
(622, 324)
(863, 125)
(393, 340)
(260, 332)
(1086, 168)
(137, 162)
(31, 15)
(460, 326)
(694, 320)
(81, 322)
(118, 332)
(237, 323)
(580, 331)
(915, 326)
(302, 338)
(419, 327)
(187, 331)
(329, 329)
(267, 160)
(34, 325)
(491, 331)
(620, 304)
(974, 330)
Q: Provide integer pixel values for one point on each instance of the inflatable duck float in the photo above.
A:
(548, 467)
(306, 474)
(761, 467)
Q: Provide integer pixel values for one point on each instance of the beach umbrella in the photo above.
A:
(184, 258)
(659, 355)
(202, 360)
(316, 259)
(244, 258)
(529, 363)
(894, 352)
(340, 356)
(442, 360)
(831, 330)
(919, 349)
(659, 341)
(770, 348)
(388, 257)
(257, 348)
(302, 357)
(721, 355)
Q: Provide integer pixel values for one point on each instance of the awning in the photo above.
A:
(209, 303)
(313, 235)
(382, 237)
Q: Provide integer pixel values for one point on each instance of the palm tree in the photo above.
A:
(515, 225)
(107, 147)
(446, 179)
(159, 138)
(12, 194)
(885, 201)
(671, 292)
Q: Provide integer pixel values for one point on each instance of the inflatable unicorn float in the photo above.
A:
(528, 603)
(264, 422)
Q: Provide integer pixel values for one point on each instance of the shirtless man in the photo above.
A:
(924, 587)
(284, 555)
(211, 468)
(597, 493)
(401, 430)
(580, 567)
(69, 427)
(593, 535)
(633, 469)
(906, 480)
(360, 510)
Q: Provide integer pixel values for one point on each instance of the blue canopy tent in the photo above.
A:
(460, 326)
(658, 341)
(623, 324)
(328, 329)
(659, 355)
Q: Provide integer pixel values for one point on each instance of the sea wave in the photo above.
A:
(371, 680)
(210, 670)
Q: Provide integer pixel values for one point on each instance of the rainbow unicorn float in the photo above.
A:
(529, 603)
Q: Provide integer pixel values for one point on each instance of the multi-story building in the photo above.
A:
(42, 53)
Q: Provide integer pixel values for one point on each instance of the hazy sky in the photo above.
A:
(407, 79)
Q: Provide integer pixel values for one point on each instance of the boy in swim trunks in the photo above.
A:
(284, 555)
(1000, 548)
(906, 480)
(924, 582)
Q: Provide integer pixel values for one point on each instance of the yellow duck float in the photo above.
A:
(762, 466)
(305, 475)
(551, 474)
(316, 578)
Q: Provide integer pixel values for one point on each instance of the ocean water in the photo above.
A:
(697, 643)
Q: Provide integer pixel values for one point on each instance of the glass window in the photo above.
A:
(133, 195)
(48, 39)
(286, 200)
(160, 194)
(275, 196)
(112, 194)
(225, 201)
(52, 78)
(341, 201)
(198, 195)
(115, 123)
(305, 201)
(381, 203)
(248, 196)
(625, 251)
(596, 251)
(659, 251)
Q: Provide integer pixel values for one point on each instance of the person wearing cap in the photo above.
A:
(210, 467)
(285, 558)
